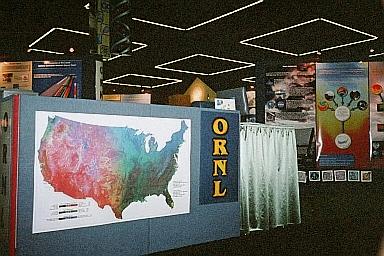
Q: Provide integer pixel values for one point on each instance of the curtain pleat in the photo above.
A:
(269, 190)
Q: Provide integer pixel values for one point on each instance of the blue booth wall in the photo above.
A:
(204, 223)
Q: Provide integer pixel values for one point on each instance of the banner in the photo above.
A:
(342, 115)
(61, 78)
(93, 169)
(376, 97)
(290, 94)
(219, 157)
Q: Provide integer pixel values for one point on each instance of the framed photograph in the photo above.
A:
(366, 176)
(302, 177)
(327, 175)
(353, 175)
(314, 175)
(340, 175)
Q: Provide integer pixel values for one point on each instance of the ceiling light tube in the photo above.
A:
(128, 55)
(249, 79)
(307, 53)
(343, 45)
(45, 51)
(173, 81)
(283, 29)
(158, 24)
(230, 70)
(315, 51)
(161, 85)
(346, 27)
(161, 66)
(40, 38)
(139, 48)
(130, 85)
(73, 31)
(53, 29)
(270, 49)
(200, 24)
(377, 54)
(225, 15)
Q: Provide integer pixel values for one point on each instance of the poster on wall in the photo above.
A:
(342, 114)
(376, 99)
(93, 169)
(16, 75)
(291, 96)
(57, 78)
(219, 157)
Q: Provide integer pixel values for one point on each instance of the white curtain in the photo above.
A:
(269, 190)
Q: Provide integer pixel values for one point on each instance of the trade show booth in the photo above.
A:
(121, 178)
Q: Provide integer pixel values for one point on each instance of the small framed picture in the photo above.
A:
(366, 176)
(353, 175)
(314, 175)
(340, 175)
(327, 175)
(302, 177)
(225, 104)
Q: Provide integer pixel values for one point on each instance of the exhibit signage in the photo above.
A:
(342, 115)
(57, 78)
(219, 157)
(376, 98)
(16, 75)
(290, 96)
(93, 169)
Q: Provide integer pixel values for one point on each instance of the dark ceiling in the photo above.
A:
(206, 39)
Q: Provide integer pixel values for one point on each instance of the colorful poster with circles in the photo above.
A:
(342, 115)
(376, 99)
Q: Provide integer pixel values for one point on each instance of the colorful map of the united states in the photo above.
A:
(115, 166)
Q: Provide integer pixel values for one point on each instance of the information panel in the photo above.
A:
(376, 97)
(93, 169)
(219, 157)
(58, 78)
(342, 114)
(291, 96)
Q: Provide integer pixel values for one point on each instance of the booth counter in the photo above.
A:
(83, 177)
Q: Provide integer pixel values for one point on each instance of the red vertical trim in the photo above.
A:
(14, 170)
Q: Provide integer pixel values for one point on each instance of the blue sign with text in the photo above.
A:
(219, 157)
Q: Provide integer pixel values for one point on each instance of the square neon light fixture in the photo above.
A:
(172, 81)
(243, 65)
(49, 32)
(371, 37)
(200, 24)
(141, 45)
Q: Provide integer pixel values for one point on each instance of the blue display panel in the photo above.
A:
(219, 157)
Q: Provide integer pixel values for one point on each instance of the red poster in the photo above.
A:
(342, 115)
(376, 96)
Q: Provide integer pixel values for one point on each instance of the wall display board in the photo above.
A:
(96, 169)
(5, 174)
(16, 75)
(122, 178)
(376, 98)
(342, 116)
(291, 96)
(219, 157)
(61, 78)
